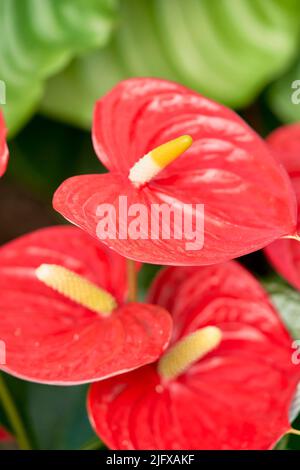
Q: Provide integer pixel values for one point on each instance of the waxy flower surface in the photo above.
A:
(3, 147)
(285, 254)
(63, 315)
(226, 382)
(165, 144)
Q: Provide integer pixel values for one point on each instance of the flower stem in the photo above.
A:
(93, 444)
(13, 416)
(132, 280)
(296, 432)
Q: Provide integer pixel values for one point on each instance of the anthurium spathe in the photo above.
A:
(3, 147)
(5, 436)
(285, 254)
(226, 382)
(165, 144)
(63, 312)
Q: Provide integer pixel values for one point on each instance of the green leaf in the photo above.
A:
(18, 391)
(71, 96)
(59, 416)
(145, 278)
(54, 417)
(45, 153)
(227, 49)
(287, 302)
(38, 39)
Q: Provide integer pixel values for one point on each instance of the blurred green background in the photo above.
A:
(58, 56)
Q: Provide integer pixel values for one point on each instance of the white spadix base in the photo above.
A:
(144, 170)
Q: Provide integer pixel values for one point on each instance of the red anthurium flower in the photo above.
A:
(3, 147)
(285, 254)
(4, 435)
(141, 129)
(226, 382)
(63, 315)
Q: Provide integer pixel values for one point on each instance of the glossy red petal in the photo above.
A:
(236, 397)
(79, 198)
(3, 147)
(51, 339)
(285, 254)
(247, 196)
(285, 143)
